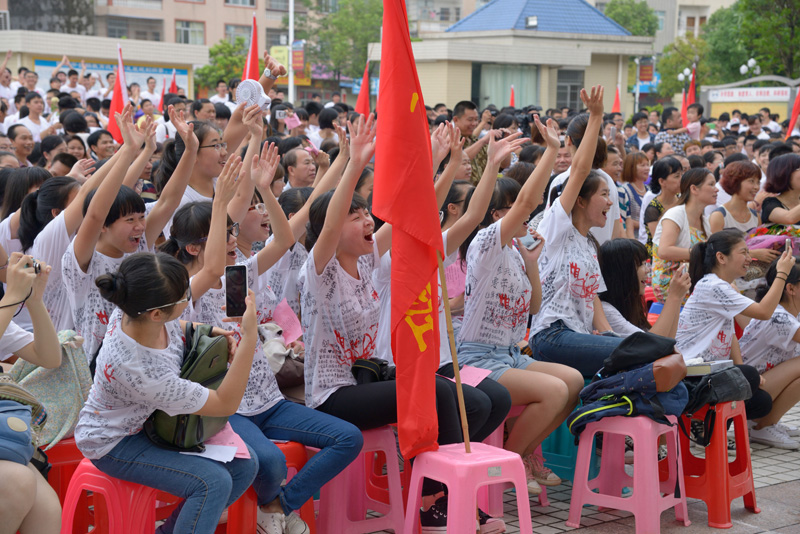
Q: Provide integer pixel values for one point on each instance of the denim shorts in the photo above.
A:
(494, 358)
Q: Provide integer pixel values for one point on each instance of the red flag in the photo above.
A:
(173, 86)
(616, 107)
(684, 109)
(251, 65)
(511, 100)
(690, 98)
(362, 104)
(404, 197)
(795, 112)
(120, 98)
(161, 102)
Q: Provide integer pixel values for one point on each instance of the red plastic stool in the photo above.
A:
(378, 483)
(64, 456)
(713, 479)
(296, 458)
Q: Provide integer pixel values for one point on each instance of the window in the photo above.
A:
(243, 3)
(690, 25)
(328, 6)
(458, 14)
(701, 21)
(117, 28)
(444, 14)
(278, 5)
(277, 37)
(661, 16)
(4, 25)
(187, 32)
(568, 89)
(233, 31)
(601, 6)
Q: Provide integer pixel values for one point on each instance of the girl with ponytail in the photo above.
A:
(705, 326)
(139, 368)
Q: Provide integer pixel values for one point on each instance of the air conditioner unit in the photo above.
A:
(532, 23)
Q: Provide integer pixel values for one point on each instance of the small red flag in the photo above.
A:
(690, 98)
(173, 86)
(795, 112)
(684, 109)
(362, 104)
(120, 98)
(511, 101)
(251, 65)
(404, 196)
(616, 107)
(161, 102)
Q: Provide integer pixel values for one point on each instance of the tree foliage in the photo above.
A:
(225, 61)
(678, 55)
(771, 29)
(636, 17)
(725, 46)
(339, 40)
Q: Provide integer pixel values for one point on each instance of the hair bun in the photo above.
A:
(112, 287)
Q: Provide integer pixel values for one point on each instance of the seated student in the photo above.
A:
(772, 347)
(27, 502)
(623, 263)
(781, 179)
(665, 186)
(139, 367)
(705, 327)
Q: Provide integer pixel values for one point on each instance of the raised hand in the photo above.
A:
(322, 159)
(531, 256)
(226, 186)
(183, 128)
(549, 132)
(362, 141)
(274, 67)
(82, 170)
(344, 144)
(20, 277)
(149, 128)
(262, 171)
(500, 149)
(440, 141)
(456, 143)
(593, 101)
(253, 120)
(131, 134)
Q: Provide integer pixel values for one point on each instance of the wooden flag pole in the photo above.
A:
(456, 372)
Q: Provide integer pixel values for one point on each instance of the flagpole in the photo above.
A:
(452, 338)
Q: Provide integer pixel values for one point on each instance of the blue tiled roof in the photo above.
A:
(566, 16)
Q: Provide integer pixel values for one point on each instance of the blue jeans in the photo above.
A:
(584, 352)
(207, 486)
(339, 443)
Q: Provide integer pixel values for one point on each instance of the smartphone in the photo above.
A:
(789, 244)
(529, 242)
(280, 114)
(235, 290)
(613, 132)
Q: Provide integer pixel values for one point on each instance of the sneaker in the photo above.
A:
(295, 525)
(628, 450)
(434, 519)
(489, 524)
(789, 430)
(543, 475)
(274, 523)
(533, 486)
(662, 452)
(774, 437)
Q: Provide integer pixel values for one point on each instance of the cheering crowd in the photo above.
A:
(555, 224)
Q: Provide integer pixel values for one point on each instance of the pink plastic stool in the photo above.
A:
(344, 501)
(646, 501)
(490, 498)
(464, 474)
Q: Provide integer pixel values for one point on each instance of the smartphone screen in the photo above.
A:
(235, 290)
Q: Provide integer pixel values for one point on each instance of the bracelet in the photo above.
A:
(4, 266)
(779, 278)
(18, 303)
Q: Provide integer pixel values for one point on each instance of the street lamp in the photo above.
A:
(751, 65)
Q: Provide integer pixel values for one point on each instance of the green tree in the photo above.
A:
(677, 56)
(225, 61)
(339, 40)
(636, 17)
(771, 28)
(725, 45)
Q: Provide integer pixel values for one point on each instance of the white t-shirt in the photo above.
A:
(216, 99)
(14, 338)
(316, 139)
(131, 382)
(766, 344)
(570, 274)
(165, 131)
(604, 233)
(50, 246)
(266, 301)
(155, 98)
(619, 324)
(677, 214)
(730, 222)
(12, 245)
(382, 278)
(90, 311)
(66, 88)
(340, 323)
(646, 199)
(262, 392)
(8, 94)
(283, 277)
(36, 129)
(497, 297)
(705, 327)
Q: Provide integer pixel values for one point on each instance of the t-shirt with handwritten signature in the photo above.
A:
(283, 276)
(766, 344)
(131, 382)
(705, 326)
(340, 323)
(262, 392)
(497, 297)
(90, 311)
(570, 274)
(266, 301)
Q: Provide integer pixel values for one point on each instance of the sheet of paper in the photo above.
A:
(456, 279)
(285, 317)
(220, 453)
(472, 376)
(292, 121)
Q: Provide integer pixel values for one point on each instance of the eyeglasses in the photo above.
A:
(187, 298)
(261, 208)
(215, 146)
(233, 230)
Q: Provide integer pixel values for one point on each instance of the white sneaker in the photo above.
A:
(789, 430)
(774, 437)
(295, 525)
(274, 523)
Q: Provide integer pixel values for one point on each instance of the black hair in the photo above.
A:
(313, 108)
(504, 120)
(287, 144)
(703, 255)
(125, 203)
(505, 193)
(222, 111)
(793, 277)
(144, 280)
(779, 149)
(327, 117)
(316, 215)
(365, 174)
(70, 138)
(94, 137)
(709, 156)
(33, 95)
(49, 143)
(198, 104)
(65, 158)
(531, 153)
(456, 195)
(463, 106)
(173, 151)
(37, 207)
(698, 107)
(696, 162)
(667, 115)
(12, 131)
(20, 182)
(191, 224)
(639, 116)
(661, 169)
(619, 261)
(292, 200)
(692, 177)
(520, 171)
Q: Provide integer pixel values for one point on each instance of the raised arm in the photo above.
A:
(276, 69)
(455, 147)
(764, 309)
(135, 170)
(440, 145)
(45, 350)
(362, 147)
(263, 169)
(582, 162)
(253, 120)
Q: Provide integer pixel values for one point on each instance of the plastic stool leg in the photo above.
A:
(242, 514)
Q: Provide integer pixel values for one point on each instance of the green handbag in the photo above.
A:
(205, 361)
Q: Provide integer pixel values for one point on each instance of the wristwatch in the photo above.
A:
(269, 74)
